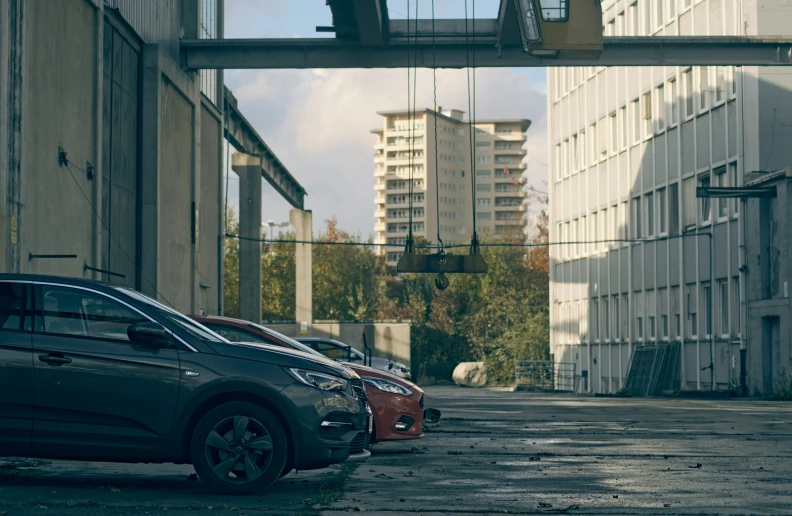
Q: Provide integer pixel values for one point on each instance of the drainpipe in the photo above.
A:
(742, 312)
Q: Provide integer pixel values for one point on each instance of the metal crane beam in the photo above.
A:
(244, 138)
(452, 53)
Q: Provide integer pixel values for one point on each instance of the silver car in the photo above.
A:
(346, 353)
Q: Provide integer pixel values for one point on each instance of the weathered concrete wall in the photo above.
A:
(59, 96)
(389, 340)
(176, 183)
(210, 210)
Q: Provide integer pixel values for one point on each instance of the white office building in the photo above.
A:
(628, 148)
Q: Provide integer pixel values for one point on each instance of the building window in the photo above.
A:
(592, 132)
(687, 76)
(672, 102)
(582, 150)
(623, 126)
(720, 84)
(676, 307)
(572, 235)
(662, 211)
(594, 235)
(659, 8)
(703, 88)
(639, 329)
(636, 114)
(625, 315)
(692, 311)
(574, 150)
(614, 136)
(581, 237)
(648, 18)
(623, 221)
(736, 305)
(704, 182)
(707, 293)
(661, 107)
(664, 329)
(616, 318)
(646, 101)
(650, 215)
(595, 319)
(733, 181)
(723, 288)
(722, 180)
(671, 9)
(651, 310)
(606, 317)
(634, 20)
(637, 219)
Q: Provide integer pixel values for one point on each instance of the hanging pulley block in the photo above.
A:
(442, 262)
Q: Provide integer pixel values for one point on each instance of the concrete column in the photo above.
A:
(149, 172)
(249, 170)
(302, 220)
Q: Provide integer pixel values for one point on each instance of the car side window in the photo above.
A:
(331, 351)
(12, 307)
(76, 312)
(236, 334)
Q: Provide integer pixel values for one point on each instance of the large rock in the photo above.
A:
(470, 374)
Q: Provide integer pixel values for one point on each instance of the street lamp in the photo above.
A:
(272, 224)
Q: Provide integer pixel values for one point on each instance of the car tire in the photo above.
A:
(238, 448)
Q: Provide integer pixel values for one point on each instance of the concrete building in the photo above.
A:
(499, 167)
(97, 84)
(628, 148)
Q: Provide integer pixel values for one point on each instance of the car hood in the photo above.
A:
(362, 371)
(281, 356)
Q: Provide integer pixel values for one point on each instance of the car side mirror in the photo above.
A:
(149, 334)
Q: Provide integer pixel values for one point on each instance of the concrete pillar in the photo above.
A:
(150, 172)
(249, 170)
(302, 220)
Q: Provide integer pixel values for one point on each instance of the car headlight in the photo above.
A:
(386, 386)
(323, 381)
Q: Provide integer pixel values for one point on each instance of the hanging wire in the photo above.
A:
(471, 119)
(434, 111)
(69, 166)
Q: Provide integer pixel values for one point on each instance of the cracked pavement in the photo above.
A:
(494, 452)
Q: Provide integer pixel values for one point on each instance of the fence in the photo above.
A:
(546, 374)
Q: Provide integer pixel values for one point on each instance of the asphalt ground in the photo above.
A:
(493, 452)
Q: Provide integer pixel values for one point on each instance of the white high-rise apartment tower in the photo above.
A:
(446, 189)
(628, 148)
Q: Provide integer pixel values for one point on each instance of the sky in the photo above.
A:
(318, 122)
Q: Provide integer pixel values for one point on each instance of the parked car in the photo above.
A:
(92, 371)
(397, 404)
(346, 353)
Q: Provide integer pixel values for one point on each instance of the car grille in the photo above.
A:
(358, 443)
(360, 391)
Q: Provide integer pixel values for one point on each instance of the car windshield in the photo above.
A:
(185, 323)
(299, 346)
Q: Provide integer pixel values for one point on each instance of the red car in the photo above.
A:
(397, 404)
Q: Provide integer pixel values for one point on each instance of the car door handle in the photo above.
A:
(54, 360)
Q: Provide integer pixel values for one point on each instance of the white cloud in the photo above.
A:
(318, 122)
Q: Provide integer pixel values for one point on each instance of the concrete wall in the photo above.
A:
(176, 180)
(210, 215)
(54, 92)
(389, 340)
(59, 102)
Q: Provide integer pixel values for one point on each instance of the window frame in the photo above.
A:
(38, 295)
(27, 313)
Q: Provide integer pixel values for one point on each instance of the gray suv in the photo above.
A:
(91, 371)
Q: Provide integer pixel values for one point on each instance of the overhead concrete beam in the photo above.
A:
(617, 51)
(508, 27)
(245, 139)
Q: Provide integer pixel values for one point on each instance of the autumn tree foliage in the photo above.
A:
(497, 317)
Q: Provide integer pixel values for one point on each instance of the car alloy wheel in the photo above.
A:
(238, 449)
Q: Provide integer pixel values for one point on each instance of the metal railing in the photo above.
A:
(546, 374)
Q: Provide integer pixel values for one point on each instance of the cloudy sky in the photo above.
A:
(318, 122)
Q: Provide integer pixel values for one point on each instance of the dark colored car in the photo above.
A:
(397, 404)
(90, 371)
(345, 353)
